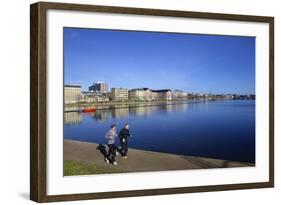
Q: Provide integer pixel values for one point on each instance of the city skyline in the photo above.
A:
(127, 59)
(87, 90)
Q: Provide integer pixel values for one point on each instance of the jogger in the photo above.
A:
(111, 135)
(123, 136)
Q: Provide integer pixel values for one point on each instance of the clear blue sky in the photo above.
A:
(189, 62)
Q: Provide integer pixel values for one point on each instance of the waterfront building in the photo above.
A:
(178, 94)
(94, 97)
(88, 97)
(228, 96)
(138, 94)
(145, 94)
(185, 95)
(161, 94)
(224, 96)
(72, 94)
(119, 94)
(99, 87)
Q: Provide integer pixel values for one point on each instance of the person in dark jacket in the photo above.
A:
(123, 136)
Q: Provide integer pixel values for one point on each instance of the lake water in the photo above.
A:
(217, 129)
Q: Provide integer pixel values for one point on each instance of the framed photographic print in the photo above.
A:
(135, 102)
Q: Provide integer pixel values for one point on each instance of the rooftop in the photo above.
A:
(73, 86)
(161, 91)
(145, 89)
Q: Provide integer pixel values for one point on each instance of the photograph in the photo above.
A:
(143, 101)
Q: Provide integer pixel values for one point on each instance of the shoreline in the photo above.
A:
(120, 105)
(90, 154)
(130, 105)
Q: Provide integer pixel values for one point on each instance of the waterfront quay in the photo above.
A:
(79, 107)
(85, 154)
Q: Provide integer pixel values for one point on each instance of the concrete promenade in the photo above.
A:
(140, 160)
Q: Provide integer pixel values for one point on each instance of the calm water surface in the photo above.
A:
(215, 129)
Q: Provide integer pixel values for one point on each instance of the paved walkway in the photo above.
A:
(139, 160)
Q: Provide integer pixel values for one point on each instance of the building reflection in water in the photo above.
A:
(180, 107)
(120, 112)
(123, 112)
(143, 111)
(166, 107)
(72, 118)
(101, 115)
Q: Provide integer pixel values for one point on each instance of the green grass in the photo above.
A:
(73, 167)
